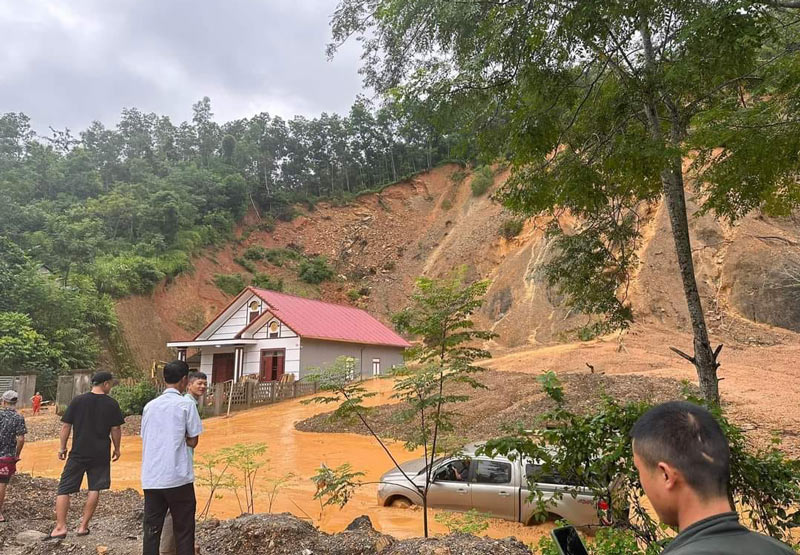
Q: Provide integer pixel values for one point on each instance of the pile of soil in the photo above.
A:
(117, 530)
(48, 426)
(286, 534)
(510, 398)
(117, 524)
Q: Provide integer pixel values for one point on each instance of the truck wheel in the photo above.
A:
(400, 502)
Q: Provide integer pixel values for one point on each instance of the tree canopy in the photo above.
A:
(112, 211)
(597, 104)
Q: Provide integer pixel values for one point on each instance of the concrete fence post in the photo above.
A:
(248, 393)
(219, 398)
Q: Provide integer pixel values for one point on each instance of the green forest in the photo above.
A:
(110, 212)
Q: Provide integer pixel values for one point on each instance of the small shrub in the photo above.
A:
(354, 294)
(458, 176)
(267, 223)
(285, 212)
(482, 179)
(231, 284)
(255, 253)
(246, 264)
(471, 522)
(278, 257)
(511, 228)
(133, 398)
(315, 270)
(265, 281)
(446, 204)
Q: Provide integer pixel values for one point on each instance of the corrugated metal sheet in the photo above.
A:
(320, 320)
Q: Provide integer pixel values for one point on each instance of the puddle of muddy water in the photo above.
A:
(289, 450)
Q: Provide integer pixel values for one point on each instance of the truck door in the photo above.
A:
(492, 489)
(450, 488)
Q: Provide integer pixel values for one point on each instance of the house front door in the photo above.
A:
(222, 367)
(272, 364)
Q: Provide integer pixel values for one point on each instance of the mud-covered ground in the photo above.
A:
(510, 398)
(117, 530)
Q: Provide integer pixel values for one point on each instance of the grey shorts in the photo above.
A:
(98, 475)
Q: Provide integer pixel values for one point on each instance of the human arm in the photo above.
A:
(63, 436)
(20, 444)
(193, 425)
(116, 437)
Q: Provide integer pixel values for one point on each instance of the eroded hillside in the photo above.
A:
(432, 223)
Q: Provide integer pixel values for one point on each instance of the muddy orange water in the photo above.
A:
(289, 450)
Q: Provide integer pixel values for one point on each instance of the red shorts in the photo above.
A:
(8, 467)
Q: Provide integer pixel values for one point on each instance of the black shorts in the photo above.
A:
(98, 474)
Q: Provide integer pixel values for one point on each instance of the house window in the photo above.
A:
(274, 329)
(254, 312)
(376, 367)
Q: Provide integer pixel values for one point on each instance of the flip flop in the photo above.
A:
(86, 533)
(56, 537)
(3, 520)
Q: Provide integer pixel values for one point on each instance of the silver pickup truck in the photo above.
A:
(497, 486)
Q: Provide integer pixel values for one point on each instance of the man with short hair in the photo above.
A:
(170, 429)
(195, 389)
(12, 439)
(683, 461)
(96, 419)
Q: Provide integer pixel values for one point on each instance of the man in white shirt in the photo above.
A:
(170, 429)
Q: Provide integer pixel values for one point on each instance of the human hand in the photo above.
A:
(62, 454)
(115, 455)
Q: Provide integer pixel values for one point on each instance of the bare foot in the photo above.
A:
(59, 531)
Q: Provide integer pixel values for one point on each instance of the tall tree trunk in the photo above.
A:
(704, 358)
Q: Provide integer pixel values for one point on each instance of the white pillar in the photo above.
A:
(182, 353)
(238, 364)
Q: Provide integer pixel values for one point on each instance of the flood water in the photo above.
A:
(289, 450)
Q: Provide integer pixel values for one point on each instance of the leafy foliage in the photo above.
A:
(594, 451)
(471, 522)
(335, 486)
(482, 179)
(230, 284)
(265, 281)
(315, 270)
(46, 328)
(133, 398)
(511, 228)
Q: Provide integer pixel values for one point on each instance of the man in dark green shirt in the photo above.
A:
(683, 461)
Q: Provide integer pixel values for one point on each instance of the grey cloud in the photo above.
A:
(68, 63)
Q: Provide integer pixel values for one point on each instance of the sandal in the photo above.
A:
(56, 537)
(86, 533)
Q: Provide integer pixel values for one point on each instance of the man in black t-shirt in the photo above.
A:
(95, 418)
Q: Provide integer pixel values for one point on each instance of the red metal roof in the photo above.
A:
(333, 322)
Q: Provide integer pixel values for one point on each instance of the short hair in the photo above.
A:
(175, 371)
(197, 376)
(688, 437)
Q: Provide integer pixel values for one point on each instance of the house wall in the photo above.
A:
(252, 356)
(237, 321)
(315, 353)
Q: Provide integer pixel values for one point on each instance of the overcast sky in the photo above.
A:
(67, 62)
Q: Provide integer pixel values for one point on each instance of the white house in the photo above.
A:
(270, 334)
